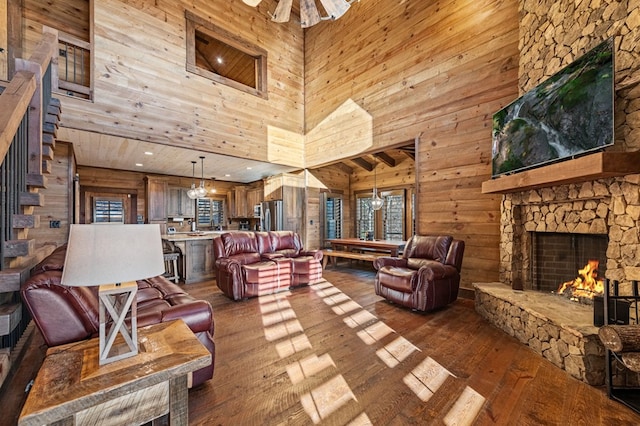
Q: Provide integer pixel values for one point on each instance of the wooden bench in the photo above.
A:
(334, 254)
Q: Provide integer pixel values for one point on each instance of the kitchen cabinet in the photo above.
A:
(179, 204)
(156, 194)
(237, 202)
(254, 196)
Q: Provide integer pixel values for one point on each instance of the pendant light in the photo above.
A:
(201, 191)
(191, 193)
(213, 188)
(376, 201)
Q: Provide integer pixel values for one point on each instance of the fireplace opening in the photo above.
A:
(562, 257)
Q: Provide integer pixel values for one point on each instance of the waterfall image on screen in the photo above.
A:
(569, 114)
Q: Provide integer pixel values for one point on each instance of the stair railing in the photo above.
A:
(23, 106)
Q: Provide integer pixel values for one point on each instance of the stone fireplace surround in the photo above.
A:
(560, 330)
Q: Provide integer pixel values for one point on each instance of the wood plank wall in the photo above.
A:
(57, 199)
(437, 70)
(143, 92)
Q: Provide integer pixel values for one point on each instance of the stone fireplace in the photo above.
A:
(569, 223)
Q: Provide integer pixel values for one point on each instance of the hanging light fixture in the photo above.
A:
(376, 201)
(191, 193)
(213, 188)
(201, 191)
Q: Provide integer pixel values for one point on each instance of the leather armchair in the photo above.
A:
(426, 277)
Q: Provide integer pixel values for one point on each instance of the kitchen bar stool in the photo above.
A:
(171, 266)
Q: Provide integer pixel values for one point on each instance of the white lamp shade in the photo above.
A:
(252, 3)
(110, 253)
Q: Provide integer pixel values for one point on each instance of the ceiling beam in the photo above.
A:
(409, 152)
(386, 159)
(344, 167)
(365, 164)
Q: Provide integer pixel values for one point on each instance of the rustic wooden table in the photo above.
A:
(392, 246)
(72, 388)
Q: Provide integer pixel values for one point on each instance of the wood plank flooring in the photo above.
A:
(336, 354)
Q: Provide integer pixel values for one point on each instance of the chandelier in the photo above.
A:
(200, 191)
(309, 14)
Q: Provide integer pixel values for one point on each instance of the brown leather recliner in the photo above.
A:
(426, 277)
(306, 265)
(69, 314)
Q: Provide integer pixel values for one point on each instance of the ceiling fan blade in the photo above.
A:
(309, 15)
(283, 10)
(335, 8)
(252, 3)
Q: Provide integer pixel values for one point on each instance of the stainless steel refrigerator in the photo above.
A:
(272, 216)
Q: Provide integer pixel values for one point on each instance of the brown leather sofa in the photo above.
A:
(70, 314)
(252, 264)
(426, 277)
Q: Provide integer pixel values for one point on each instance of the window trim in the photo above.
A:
(193, 23)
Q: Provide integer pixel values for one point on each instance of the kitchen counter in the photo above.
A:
(186, 236)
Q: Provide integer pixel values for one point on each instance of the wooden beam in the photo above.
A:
(386, 159)
(582, 169)
(344, 167)
(364, 163)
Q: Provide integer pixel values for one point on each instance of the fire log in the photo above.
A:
(631, 360)
(620, 338)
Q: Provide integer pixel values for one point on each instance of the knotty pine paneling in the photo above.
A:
(69, 16)
(437, 71)
(142, 90)
(4, 40)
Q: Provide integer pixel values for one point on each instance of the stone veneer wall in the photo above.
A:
(552, 35)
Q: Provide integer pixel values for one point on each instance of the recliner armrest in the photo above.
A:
(198, 315)
(316, 254)
(389, 261)
(271, 256)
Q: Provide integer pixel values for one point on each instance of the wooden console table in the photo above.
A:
(71, 387)
(351, 247)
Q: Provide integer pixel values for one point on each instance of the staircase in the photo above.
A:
(28, 126)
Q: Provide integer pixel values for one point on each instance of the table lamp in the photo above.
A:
(113, 257)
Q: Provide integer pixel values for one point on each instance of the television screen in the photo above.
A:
(569, 114)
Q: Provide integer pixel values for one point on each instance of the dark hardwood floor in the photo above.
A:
(335, 354)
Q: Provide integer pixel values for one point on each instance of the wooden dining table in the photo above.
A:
(349, 244)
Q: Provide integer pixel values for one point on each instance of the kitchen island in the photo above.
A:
(196, 262)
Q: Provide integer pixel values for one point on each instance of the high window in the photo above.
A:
(223, 57)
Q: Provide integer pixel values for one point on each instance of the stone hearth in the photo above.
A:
(559, 330)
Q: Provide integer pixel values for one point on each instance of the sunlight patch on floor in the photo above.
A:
(278, 317)
(426, 378)
(293, 345)
(281, 330)
(374, 333)
(308, 367)
(361, 420)
(336, 299)
(396, 352)
(327, 398)
(466, 408)
(362, 317)
(346, 307)
(276, 305)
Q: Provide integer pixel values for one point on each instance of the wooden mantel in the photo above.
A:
(582, 169)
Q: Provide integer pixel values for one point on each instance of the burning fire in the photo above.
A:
(586, 284)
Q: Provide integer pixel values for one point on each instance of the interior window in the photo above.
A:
(393, 215)
(223, 57)
(364, 215)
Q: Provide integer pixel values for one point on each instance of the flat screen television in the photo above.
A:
(568, 115)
